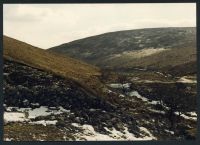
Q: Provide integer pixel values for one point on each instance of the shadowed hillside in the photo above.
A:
(68, 67)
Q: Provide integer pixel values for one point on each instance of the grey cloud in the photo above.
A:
(47, 25)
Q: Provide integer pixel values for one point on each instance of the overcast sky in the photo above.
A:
(48, 25)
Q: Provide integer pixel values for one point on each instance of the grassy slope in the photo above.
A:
(85, 74)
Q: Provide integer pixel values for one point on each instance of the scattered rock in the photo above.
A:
(25, 102)
(77, 119)
(34, 105)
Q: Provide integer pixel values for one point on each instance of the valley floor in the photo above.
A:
(132, 114)
(22, 127)
(37, 124)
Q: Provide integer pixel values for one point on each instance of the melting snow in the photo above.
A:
(91, 135)
(136, 94)
(118, 85)
(186, 80)
(121, 95)
(109, 91)
(154, 102)
(187, 117)
(162, 74)
(168, 131)
(45, 122)
(192, 114)
(157, 111)
(20, 116)
(150, 137)
(42, 111)
(14, 117)
(8, 139)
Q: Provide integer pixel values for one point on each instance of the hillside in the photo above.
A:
(65, 66)
(153, 48)
(51, 97)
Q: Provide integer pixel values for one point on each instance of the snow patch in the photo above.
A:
(162, 74)
(193, 114)
(157, 111)
(184, 79)
(90, 134)
(45, 122)
(14, 117)
(153, 102)
(42, 111)
(121, 95)
(168, 131)
(150, 136)
(136, 94)
(187, 117)
(25, 114)
(109, 91)
(8, 139)
(120, 86)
